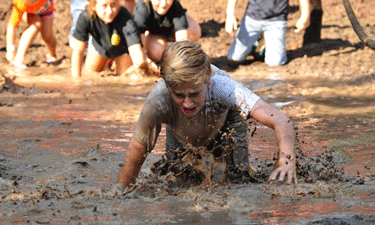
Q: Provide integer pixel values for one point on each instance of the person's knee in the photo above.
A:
(275, 61)
(195, 33)
(155, 50)
(37, 26)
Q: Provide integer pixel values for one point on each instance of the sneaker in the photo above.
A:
(51, 59)
(20, 65)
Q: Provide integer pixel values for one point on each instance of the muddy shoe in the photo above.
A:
(19, 65)
(50, 60)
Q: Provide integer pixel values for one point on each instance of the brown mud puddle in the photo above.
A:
(63, 140)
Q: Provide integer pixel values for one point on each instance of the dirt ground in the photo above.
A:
(337, 35)
(62, 140)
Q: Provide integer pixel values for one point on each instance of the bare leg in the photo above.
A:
(27, 37)
(47, 35)
(94, 61)
(123, 62)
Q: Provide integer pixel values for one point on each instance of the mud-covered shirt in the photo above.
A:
(273, 10)
(101, 33)
(222, 94)
(147, 19)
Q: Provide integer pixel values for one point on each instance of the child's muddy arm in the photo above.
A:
(78, 55)
(134, 158)
(137, 54)
(271, 117)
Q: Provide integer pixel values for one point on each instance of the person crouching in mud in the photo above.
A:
(199, 104)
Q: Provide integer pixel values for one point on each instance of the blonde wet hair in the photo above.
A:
(185, 62)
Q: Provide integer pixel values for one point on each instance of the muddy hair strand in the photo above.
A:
(185, 61)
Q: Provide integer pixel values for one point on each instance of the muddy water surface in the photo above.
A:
(63, 142)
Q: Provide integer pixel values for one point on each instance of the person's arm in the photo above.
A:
(133, 160)
(231, 21)
(182, 35)
(10, 40)
(304, 20)
(137, 54)
(78, 55)
(271, 117)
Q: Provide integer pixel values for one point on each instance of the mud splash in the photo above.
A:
(63, 144)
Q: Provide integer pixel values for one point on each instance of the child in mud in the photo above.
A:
(114, 35)
(77, 6)
(161, 21)
(39, 16)
(201, 105)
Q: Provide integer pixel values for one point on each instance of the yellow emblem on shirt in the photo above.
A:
(115, 39)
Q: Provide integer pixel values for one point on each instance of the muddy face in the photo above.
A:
(189, 97)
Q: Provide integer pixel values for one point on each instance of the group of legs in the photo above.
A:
(36, 23)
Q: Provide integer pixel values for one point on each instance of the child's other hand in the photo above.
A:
(145, 69)
(302, 24)
(118, 190)
(230, 23)
(287, 168)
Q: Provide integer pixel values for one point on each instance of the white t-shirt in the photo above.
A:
(222, 94)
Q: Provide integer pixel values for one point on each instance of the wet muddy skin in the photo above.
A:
(62, 144)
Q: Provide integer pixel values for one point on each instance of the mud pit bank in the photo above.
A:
(62, 145)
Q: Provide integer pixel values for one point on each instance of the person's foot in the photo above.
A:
(19, 65)
(51, 60)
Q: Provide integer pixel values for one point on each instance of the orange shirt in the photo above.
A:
(21, 7)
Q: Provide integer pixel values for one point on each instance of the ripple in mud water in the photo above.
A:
(83, 181)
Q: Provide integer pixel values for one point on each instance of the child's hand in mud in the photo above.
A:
(145, 69)
(118, 190)
(287, 167)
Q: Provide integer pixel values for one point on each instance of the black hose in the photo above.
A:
(357, 27)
